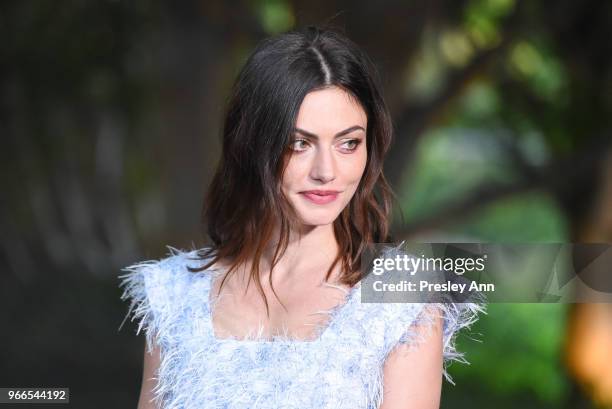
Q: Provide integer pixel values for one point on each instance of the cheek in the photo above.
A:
(293, 173)
(355, 168)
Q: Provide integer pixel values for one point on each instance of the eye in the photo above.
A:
(299, 145)
(350, 145)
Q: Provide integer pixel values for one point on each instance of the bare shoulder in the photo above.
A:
(412, 376)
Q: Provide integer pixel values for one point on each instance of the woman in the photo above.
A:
(298, 196)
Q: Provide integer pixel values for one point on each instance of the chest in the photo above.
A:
(296, 312)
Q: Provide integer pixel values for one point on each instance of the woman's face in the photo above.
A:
(328, 157)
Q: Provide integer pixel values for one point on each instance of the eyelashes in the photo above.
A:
(354, 144)
(299, 145)
(346, 146)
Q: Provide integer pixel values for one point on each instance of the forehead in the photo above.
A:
(329, 110)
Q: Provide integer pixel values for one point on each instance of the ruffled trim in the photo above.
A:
(134, 285)
(148, 285)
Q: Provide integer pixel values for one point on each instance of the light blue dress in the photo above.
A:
(340, 369)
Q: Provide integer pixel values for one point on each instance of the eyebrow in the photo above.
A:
(341, 133)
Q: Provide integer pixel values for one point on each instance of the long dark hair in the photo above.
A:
(245, 208)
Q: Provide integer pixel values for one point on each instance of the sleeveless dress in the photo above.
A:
(342, 368)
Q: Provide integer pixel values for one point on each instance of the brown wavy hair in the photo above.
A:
(245, 209)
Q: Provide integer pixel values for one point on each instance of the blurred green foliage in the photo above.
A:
(521, 344)
(276, 16)
(482, 20)
(519, 353)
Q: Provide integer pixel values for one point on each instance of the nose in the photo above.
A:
(323, 168)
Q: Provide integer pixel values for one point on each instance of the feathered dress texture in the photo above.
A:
(340, 369)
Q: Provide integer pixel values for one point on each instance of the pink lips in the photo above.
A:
(320, 196)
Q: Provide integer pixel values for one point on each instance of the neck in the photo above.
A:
(312, 250)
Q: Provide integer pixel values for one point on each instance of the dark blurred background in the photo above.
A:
(110, 117)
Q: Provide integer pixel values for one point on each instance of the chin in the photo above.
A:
(314, 220)
(317, 223)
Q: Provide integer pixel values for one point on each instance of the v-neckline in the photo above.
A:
(334, 312)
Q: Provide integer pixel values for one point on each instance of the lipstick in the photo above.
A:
(320, 197)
